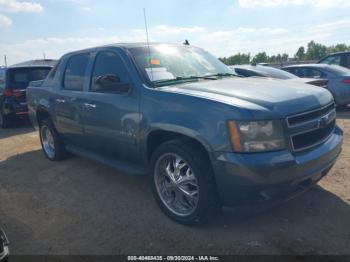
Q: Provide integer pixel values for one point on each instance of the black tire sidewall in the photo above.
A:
(200, 171)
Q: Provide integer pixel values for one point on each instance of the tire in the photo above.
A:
(53, 146)
(4, 121)
(204, 205)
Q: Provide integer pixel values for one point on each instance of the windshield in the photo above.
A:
(19, 78)
(167, 63)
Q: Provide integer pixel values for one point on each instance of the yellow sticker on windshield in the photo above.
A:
(155, 62)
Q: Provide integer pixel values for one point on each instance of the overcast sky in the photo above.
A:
(223, 27)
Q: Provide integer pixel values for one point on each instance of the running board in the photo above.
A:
(121, 166)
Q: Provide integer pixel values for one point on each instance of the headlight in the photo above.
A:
(256, 136)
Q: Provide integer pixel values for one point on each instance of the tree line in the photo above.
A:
(313, 51)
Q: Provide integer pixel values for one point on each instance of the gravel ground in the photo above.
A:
(80, 207)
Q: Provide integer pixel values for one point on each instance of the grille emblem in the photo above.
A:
(324, 120)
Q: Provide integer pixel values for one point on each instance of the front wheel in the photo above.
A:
(183, 183)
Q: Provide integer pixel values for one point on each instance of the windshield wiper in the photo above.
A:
(222, 75)
(183, 79)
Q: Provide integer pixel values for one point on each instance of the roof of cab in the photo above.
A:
(126, 46)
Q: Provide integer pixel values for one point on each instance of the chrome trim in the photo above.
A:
(314, 120)
(331, 116)
(308, 112)
(4, 241)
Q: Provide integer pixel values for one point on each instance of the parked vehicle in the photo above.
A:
(4, 249)
(338, 78)
(341, 59)
(206, 137)
(266, 71)
(13, 83)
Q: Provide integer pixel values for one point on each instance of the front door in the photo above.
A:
(111, 110)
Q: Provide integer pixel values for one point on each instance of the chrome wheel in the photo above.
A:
(176, 184)
(47, 141)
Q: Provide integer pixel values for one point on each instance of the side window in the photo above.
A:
(332, 60)
(75, 72)
(109, 73)
(313, 73)
(246, 73)
(290, 70)
(53, 71)
(348, 61)
(241, 72)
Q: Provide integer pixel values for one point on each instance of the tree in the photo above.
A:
(315, 51)
(300, 53)
(338, 48)
(260, 58)
(237, 59)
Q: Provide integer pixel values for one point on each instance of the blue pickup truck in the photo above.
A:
(206, 137)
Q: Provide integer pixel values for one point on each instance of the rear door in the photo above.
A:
(111, 111)
(68, 100)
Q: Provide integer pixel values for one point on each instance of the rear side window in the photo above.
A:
(53, 71)
(247, 73)
(19, 78)
(74, 75)
(313, 73)
(332, 60)
(108, 64)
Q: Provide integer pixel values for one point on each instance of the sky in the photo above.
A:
(30, 29)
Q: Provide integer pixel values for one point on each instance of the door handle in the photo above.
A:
(89, 105)
(60, 100)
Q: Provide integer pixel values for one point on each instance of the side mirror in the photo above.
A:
(110, 83)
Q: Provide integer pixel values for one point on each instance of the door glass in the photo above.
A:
(108, 65)
(332, 60)
(75, 72)
(313, 73)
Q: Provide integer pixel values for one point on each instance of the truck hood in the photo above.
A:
(280, 98)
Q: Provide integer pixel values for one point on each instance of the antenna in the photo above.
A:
(5, 58)
(149, 49)
(44, 55)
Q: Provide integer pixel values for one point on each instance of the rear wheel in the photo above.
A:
(51, 143)
(183, 183)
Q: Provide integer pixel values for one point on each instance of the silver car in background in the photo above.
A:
(271, 72)
(338, 78)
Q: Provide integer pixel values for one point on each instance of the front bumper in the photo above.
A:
(273, 175)
(4, 249)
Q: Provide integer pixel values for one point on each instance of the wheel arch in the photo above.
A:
(159, 136)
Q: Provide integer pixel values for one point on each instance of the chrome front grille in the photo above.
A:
(311, 128)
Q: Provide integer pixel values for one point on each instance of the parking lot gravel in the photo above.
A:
(81, 207)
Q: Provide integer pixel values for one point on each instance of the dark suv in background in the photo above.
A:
(13, 83)
(341, 59)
